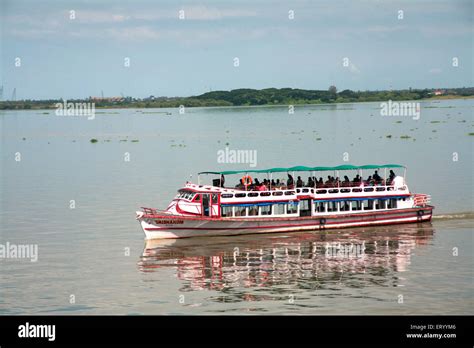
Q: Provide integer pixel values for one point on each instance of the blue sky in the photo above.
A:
(80, 57)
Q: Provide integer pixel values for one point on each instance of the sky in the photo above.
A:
(81, 48)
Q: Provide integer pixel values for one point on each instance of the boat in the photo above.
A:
(251, 207)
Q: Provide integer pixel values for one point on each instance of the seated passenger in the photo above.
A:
(377, 178)
(320, 183)
(299, 182)
(391, 177)
(310, 182)
(273, 183)
(346, 182)
(240, 185)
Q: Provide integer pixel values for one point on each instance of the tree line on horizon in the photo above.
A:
(251, 97)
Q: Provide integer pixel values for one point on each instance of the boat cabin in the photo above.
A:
(295, 198)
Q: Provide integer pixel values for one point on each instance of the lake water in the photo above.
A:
(76, 201)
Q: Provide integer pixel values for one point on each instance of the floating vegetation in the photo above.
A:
(398, 122)
(472, 133)
(134, 141)
(107, 141)
(434, 130)
(93, 140)
(227, 144)
(318, 139)
(435, 122)
(388, 136)
(23, 138)
(122, 140)
(405, 137)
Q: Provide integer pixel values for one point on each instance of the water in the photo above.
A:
(95, 254)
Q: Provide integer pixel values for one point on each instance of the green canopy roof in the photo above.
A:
(306, 169)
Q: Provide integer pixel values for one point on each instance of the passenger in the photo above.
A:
(320, 183)
(278, 183)
(299, 182)
(290, 182)
(328, 182)
(310, 182)
(222, 180)
(377, 178)
(273, 183)
(346, 182)
(356, 180)
(240, 185)
(369, 182)
(391, 177)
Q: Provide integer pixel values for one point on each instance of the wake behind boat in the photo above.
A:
(277, 206)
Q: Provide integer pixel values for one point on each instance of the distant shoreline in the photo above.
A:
(248, 98)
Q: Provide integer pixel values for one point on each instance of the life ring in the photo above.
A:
(322, 221)
(420, 213)
(247, 180)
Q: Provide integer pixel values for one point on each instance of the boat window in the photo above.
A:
(380, 189)
(227, 195)
(356, 190)
(252, 194)
(263, 194)
(320, 192)
(368, 189)
(356, 205)
(197, 198)
(266, 210)
(368, 204)
(253, 210)
(380, 204)
(240, 211)
(298, 190)
(304, 204)
(333, 191)
(292, 208)
(344, 205)
(332, 206)
(277, 193)
(305, 190)
(321, 207)
(214, 198)
(289, 193)
(312, 190)
(226, 211)
(238, 195)
(279, 209)
(392, 203)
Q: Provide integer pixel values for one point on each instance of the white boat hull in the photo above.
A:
(175, 226)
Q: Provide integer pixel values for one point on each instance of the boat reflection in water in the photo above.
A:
(353, 257)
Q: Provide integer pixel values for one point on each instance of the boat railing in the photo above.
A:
(152, 211)
(312, 190)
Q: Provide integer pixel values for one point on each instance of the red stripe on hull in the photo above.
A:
(316, 224)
